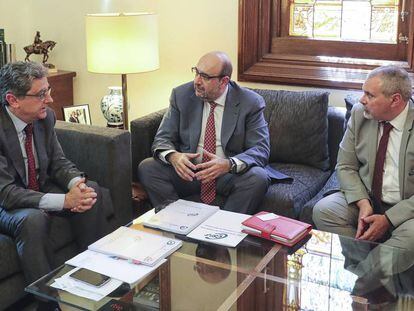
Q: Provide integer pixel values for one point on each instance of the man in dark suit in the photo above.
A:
(189, 160)
(36, 180)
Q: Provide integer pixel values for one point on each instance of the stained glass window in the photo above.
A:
(351, 20)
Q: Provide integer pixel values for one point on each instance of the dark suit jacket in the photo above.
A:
(54, 168)
(244, 132)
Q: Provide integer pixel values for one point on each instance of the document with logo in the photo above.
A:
(137, 246)
(181, 216)
(222, 228)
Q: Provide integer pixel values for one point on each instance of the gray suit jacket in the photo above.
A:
(356, 161)
(54, 168)
(244, 132)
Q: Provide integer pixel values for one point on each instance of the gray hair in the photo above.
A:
(17, 78)
(393, 80)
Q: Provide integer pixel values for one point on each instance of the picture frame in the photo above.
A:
(77, 114)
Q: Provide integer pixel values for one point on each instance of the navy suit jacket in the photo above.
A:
(244, 132)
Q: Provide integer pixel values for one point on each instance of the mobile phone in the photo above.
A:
(90, 277)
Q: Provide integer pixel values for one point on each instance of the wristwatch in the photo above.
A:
(233, 166)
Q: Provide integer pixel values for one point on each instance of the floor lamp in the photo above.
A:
(122, 43)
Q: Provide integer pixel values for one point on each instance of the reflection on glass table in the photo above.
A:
(197, 276)
(331, 272)
(323, 272)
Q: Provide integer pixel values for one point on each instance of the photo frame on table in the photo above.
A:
(77, 114)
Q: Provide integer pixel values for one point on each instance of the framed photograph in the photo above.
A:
(77, 114)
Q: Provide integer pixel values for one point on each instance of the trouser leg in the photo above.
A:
(29, 227)
(90, 225)
(162, 183)
(244, 192)
(333, 214)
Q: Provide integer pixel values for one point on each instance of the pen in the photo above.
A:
(131, 261)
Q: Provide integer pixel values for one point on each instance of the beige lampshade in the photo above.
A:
(122, 43)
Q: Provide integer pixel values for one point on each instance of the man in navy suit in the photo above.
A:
(37, 182)
(182, 165)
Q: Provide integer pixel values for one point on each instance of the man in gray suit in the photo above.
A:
(36, 180)
(183, 166)
(359, 210)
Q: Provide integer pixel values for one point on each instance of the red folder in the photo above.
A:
(279, 229)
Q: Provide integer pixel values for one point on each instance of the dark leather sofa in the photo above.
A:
(304, 138)
(104, 154)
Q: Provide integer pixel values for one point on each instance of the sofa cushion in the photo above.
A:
(9, 263)
(331, 186)
(288, 198)
(298, 127)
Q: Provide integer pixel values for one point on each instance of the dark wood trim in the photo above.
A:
(260, 35)
(62, 90)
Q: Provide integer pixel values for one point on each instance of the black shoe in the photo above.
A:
(48, 306)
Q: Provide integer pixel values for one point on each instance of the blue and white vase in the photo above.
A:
(111, 107)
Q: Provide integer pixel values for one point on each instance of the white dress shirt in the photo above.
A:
(390, 182)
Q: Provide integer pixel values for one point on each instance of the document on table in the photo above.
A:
(138, 246)
(181, 216)
(115, 268)
(222, 228)
(66, 283)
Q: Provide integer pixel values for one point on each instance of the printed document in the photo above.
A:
(222, 228)
(181, 216)
(137, 246)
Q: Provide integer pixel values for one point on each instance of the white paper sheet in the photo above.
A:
(139, 246)
(222, 228)
(115, 268)
(268, 216)
(65, 282)
(181, 216)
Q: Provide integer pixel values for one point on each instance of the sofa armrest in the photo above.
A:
(104, 154)
(143, 131)
(336, 119)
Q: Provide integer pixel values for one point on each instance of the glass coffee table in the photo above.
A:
(323, 272)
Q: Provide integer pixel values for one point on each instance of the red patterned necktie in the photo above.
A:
(376, 187)
(208, 190)
(33, 184)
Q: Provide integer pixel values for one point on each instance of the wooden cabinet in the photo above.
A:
(62, 90)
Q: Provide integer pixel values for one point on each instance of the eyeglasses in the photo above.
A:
(203, 75)
(42, 94)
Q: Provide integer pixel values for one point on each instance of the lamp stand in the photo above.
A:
(125, 101)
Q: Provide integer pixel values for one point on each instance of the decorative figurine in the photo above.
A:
(40, 47)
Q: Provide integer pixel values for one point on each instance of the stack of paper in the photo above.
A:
(114, 267)
(181, 216)
(78, 288)
(137, 246)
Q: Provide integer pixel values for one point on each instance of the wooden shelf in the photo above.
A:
(62, 90)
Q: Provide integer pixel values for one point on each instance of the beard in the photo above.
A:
(368, 115)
